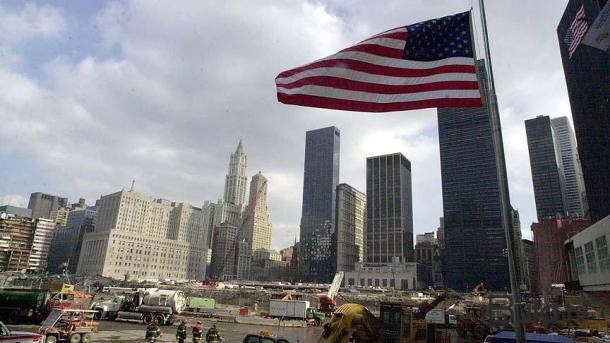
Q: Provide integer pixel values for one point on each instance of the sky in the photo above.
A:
(96, 94)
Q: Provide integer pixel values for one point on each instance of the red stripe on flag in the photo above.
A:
(380, 70)
(396, 35)
(336, 82)
(376, 50)
(360, 106)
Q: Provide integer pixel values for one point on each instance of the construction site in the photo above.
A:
(120, 311)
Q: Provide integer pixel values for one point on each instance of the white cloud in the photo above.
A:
(33, 21)
(191, 79)
(14, 200)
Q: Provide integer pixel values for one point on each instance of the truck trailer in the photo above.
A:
(145, 304)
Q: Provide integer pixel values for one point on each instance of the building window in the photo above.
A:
(392, 283)
(404, 284)
(370, 282)
(384, 282)
(362, 282)
(602, 253)
(590, 256)
(376, 282)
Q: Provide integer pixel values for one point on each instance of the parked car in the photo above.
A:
(263, 339)
(8, 336)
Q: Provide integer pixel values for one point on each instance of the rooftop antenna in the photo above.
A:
(133, 183)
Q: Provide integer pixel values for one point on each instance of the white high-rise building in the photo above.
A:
(236, 180)
(140, 237)
(257, 228)
(574, 194)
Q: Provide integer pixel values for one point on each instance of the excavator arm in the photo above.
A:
(351, 321)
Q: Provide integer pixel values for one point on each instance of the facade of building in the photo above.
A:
(348, 240)
(68, 239)
(224, 252)
(266, 254)
(574, 194)
(25, 243)
(320, 180)
(139, 237)
(589, 256)
(244, 260)
(545, 163)
(43, 204)
(15, 242)
(389, 219)
(428, 258)
(236, 179)
(393, 275)
(17, 211)
(257, 228)
(60, 216)
(474, 239)
(440, 233)
(529, 263)
(287, 254)
(551, 257)
(587, 79)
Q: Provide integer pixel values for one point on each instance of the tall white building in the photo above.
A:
(236, 180)
(140, 237)
(574, 195)
(257, 228)
(350, 224)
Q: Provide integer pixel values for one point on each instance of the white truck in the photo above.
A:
(294, 309)
(146, 304)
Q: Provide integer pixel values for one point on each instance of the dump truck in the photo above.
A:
(146, 304)
(18, 305)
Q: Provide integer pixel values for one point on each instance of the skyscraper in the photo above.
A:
(389, 226)
(545, 163)
(587, 79)
(43, 204)
(474, 238)
(574, 194)
(257, 228)
(349, 228)
(236, 180)
(320, 179)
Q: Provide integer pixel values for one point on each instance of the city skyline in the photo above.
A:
(131, 118)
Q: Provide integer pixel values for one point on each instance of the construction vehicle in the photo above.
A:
(71, 325)
(475, 322)
(146, 304)
(295, 309)
(397, 323)
(328, 303)
(28, 304)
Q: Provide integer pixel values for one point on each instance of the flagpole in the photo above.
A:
(494, 117)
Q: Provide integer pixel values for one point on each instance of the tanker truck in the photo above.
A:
(145, 304)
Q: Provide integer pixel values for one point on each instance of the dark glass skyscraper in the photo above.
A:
(389, 210)
(544, 163)
(587, 75)
(474, 239)
(318, 215)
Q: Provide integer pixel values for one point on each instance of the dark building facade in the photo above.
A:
(321, 177)
(546, 175)
(587, 74)
(389, 206)
(43, 204)
(474, 239)
(529, 263)
(68, 240)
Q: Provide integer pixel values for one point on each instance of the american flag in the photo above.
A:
(576, 31)
(424, 65)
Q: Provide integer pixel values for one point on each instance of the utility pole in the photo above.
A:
(496, 132)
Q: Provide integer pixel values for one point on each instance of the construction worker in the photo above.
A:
(213, 335)
(152, 332)
(198, 333)
(181, 332)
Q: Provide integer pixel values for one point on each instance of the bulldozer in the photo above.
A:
(397, 323)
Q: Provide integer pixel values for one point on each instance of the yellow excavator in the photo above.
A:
(397, 323)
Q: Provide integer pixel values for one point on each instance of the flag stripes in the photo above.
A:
(376, 75)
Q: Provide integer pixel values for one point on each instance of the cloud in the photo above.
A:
(33, 21)
(14, 200)
(182, 84)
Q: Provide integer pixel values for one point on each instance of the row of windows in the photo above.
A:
(596, 258)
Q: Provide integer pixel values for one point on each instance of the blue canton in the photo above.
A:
(440, 38)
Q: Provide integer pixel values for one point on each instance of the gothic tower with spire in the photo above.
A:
(236, 180)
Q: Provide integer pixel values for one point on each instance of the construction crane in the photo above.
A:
(328, 303)
(244, 219)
